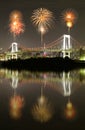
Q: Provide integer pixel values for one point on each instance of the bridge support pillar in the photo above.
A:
(14, 50)
(66, 53)
(14, 56)
(66, 46)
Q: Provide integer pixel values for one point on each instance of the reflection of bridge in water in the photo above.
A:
(65, 83)
(62, 47)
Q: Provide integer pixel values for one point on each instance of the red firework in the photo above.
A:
(69, 17)
(16, 25)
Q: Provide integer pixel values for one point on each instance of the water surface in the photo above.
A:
(42, 100)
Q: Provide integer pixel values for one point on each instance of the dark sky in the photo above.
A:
(31, 37)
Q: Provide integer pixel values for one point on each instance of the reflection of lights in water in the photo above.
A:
(82, 58)
(41, 100)
(14, 78)
(82, 72)
(16, 104)
(66, 83)
(69, 112)
(42, 110)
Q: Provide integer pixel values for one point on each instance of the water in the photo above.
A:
(42, 100)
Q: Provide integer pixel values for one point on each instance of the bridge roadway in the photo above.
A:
(64, 46)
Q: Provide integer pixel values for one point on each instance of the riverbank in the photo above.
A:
(43, 64)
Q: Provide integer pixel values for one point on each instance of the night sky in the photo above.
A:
(31, 37)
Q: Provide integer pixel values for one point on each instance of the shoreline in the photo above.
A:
(43, 64)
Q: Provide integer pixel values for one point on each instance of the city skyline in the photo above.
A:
(31, 37)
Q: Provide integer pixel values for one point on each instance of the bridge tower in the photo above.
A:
(66, 46)
(14, 50)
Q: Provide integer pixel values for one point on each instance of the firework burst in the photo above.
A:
(42, 18)
(15, 15)
(16, 25)
(69, 17)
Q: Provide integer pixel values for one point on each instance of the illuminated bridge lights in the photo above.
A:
(65, 46)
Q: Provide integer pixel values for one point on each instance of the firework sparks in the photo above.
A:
(42, 29)
(16, 25)
(69, 17)
(15, 15)
(42, 18)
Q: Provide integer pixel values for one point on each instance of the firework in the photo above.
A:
(42, 29)
(69, 17)
(16, 25)
(42, 18)
(15, 15)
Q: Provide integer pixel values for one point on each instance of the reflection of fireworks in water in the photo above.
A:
(42, 111)
(69, 112)
(69, 17)
(42, 18)
(16, 25)
(16, 104)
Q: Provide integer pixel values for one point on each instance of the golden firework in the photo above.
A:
(15, 15)
(42, 18)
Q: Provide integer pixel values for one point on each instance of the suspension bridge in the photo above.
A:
(65, 46)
